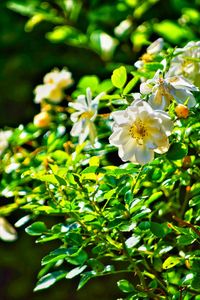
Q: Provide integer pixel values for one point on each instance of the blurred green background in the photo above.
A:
(88, 37)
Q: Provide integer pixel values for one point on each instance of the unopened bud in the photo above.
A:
(182, 111)
(42, 119)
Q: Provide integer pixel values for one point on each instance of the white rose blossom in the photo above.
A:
(61, 79)
(187, 62)
(54, 84)
(85, 115)
(4, 136)
(152, 50)
(163, 90)
(48, 91)
(139, 131)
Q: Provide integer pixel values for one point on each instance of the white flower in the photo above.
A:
(152, 50)
(85, 115)
(61, 79)
(187, 62)
(54, 84)
(139, 131)
(163, 90)
(4, 136)
(7, 231)
(48, 91)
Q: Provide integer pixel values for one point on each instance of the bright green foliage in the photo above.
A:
(119, 77)
(140, 222)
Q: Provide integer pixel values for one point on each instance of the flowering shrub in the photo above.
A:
(117, 174)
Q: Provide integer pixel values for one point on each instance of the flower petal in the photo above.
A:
(143, 155)
(156, 46)
(127, 150)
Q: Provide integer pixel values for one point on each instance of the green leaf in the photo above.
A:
(32, 22)
(195, 189)
(108, 195)
(76, 271)
(96, 265)
(157, 174)
(24, 9)
(179, 32)
(130, 85)
(195, 284)
(177, 151)
(144, 225)
(154, 197)
(49, 279)
(55, 256)
(194, 201)
(66, 33)
(60, 180)
(196, 265)
(119, 77)
(125, 286)
(94, 161)
(141, 214)
(187, 279)
(153, 66)
(170, 262)
(105, 86)
(78, 258)
(59, 155)
(157, 229)
(85, 278)
(50, 178)
(91, 169)
(36, 228)
(74, 238)
(184, 240)
(89, 81)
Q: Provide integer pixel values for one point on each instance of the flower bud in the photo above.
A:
(182, 111)
(42, 119)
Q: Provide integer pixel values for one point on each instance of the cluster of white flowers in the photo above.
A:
(187, 62)
(4, 136)
(144, 127)
(54, 84)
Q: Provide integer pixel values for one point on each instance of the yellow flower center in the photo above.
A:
(87, 115)
(138, 131)
(164, 91)
(147, 58)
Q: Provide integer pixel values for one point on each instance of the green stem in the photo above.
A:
(185, 203)
(132, 262)
(134, 187)
(158, 279)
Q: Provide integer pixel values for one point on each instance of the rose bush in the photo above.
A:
(136, 214)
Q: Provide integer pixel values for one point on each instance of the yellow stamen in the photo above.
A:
(138, 131)
(87, 115)
(147, 58)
